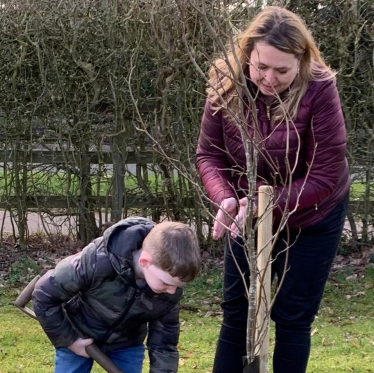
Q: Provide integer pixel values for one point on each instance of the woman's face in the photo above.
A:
(271, 70)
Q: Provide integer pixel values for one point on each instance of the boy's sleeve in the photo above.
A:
(163, 336)
(71, 276)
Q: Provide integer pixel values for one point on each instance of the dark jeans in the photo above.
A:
(309, 261)
(130, 360)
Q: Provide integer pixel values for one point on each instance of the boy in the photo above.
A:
(119, 288)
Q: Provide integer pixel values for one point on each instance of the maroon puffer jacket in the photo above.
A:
(313, 146)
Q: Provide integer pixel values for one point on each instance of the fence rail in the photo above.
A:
(76, 205)
(39, 203)
(143, 157)
(58, 157)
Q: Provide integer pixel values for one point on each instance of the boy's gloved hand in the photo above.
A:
(79, 346)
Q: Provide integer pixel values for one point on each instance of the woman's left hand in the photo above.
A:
(237, 226)
(224, 217)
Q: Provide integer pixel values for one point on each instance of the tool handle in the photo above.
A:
(25, 297)
(26, 294)
(26, 310)
(103, 360)
(92, 350)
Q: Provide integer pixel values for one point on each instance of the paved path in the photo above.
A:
(55, 225)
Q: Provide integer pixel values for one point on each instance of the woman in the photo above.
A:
(301, 143)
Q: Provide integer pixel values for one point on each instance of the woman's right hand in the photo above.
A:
(79, 346)
(237, 226)
(224, 217)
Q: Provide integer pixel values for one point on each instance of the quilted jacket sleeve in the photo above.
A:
(325, 152)
(211, 157)
(71, 275)
(162, 342)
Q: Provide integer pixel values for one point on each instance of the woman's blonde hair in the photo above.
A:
(279, 28)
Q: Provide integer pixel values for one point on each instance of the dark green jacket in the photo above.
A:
(94, 294)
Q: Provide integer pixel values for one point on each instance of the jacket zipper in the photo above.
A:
(134, 296)
(268, 111)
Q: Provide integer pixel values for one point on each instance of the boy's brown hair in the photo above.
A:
(175, 249)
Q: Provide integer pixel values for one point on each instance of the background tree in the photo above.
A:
(98, 83)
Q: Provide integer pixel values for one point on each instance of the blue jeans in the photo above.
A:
(309, 261)
(130, 360)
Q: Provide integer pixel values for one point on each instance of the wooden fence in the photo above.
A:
(56, 158)
(42, 157)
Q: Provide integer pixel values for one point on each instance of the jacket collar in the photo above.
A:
(257, 95)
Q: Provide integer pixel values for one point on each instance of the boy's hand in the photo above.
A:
(79, 346)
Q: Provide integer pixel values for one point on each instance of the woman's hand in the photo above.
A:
(224, 217)
(237, 225)
(79, 346)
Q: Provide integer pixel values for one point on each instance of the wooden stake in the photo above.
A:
(264, 246)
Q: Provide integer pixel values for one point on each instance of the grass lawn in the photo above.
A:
(342, 338)
(59, 183)
(358, 189)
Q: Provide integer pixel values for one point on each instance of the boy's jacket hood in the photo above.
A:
(121, 239)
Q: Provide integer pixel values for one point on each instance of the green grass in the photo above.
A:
(58, 184)
(342, 341)
(358, 190)
(44, 182)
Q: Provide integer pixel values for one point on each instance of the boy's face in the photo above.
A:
(160, 281)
